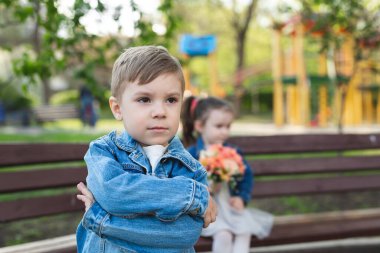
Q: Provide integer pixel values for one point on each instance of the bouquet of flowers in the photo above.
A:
(223, 164)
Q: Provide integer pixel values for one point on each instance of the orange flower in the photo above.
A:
(222, 164)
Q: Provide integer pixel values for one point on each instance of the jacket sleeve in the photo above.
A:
(137, 230)
(245, 186)
(122, 193)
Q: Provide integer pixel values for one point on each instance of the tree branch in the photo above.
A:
(249, 14)
(235, 16)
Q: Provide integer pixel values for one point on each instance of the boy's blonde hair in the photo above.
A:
(143, 64)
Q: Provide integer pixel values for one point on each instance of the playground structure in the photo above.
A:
(345, 91)
(204, 46)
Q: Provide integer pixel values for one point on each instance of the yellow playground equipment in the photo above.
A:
(356, 98)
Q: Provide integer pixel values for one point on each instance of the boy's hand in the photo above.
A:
(237, 203)
(211, 212)
(86, 197)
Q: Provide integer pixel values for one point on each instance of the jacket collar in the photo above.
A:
(124, 141)
(175, 148)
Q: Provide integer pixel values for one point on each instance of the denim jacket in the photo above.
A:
(136, 211)
(245, 186)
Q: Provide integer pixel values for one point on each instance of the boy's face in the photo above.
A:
(150, 112)
(216, 128)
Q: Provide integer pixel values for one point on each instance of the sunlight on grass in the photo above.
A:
(69, 130)
(104, 125)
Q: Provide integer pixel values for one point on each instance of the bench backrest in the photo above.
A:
(46, 174)
(50, 166)
(47, 113)
(322, 158)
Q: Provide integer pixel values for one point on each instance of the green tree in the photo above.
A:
(360, 19)
(231, 22)
(240, 24)
(58, 41)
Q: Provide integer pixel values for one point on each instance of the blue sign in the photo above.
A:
(197, 45)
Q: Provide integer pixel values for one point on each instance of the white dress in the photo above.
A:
(248, 221)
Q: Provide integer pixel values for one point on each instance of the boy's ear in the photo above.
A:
(198, 126)
(115, 108)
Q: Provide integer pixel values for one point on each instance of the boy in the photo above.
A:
(151, 195)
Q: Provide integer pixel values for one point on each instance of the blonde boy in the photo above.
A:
(150, 193)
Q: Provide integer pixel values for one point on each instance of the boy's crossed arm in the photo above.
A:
(123, 193)
(88, 199)
(124, 200)
(114, 228)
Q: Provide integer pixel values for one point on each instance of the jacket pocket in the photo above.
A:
(133, 168)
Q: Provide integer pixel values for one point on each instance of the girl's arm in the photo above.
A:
(245, 186)
(129, 194)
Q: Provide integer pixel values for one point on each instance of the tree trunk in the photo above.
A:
(238, 86)
(36, 40)
(241, 28)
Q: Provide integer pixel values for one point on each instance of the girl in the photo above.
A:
(206, 122)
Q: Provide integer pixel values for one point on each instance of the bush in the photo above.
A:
(65, 97)
(12, 98)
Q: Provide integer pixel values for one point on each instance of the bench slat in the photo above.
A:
(41, 179)
(314, 165)
(308, 228)
(305, 143)
(54, 112)
(41, 206)
(319, 230)
(32, 207)
(61, 244)
(19, 154)
(315, 186)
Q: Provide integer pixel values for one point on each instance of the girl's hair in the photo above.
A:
(199, 109)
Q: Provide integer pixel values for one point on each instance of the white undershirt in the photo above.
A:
(154, 154)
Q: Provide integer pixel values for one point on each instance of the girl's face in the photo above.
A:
(216, 128)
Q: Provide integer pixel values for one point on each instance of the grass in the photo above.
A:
(60, 131)
(48, 137)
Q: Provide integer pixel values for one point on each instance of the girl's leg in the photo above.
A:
(242, 243)
(222, 242)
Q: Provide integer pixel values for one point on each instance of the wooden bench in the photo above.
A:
(332, 171)
(338, 169)
(48, 113)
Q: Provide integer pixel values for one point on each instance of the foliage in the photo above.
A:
(60, 43)
(65, 97)
(11, 98)
(334, 19)
(215, 17)
(337, 21)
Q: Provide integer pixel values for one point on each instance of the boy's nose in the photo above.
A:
(158, 111)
